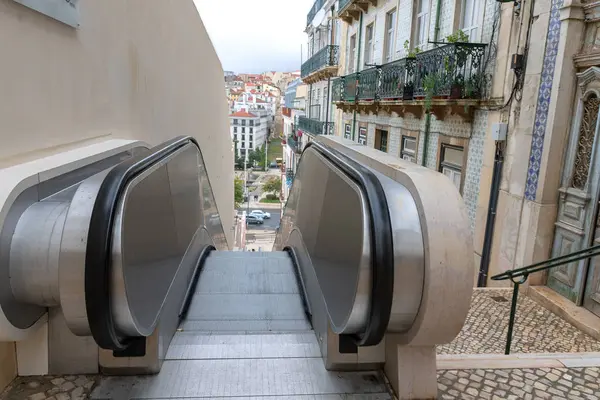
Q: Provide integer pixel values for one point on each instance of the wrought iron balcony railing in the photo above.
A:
(294, 144)
(454, 70)
(337, 89)
(350, 87)
(368, 84)
(328, 56)
(397, 80)
(342, 5)
(315, 127)
(318, 4)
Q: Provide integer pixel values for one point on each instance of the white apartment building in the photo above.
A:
(248, 129)
(321, 65)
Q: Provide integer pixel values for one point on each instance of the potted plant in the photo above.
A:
(454, 66)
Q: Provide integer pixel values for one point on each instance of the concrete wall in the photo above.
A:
(135, 69)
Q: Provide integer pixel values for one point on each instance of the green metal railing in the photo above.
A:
(315, 126)
(454, 70)
(317, 5)
(520, 275)
(328, 56)
(350, 87)
(368, 84)
(342, 5)
(337, 89)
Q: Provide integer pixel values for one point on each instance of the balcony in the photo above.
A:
(315, 127)
(349, 10)
(318, 4)
(450, 76)
(322, 65)
(294, 144)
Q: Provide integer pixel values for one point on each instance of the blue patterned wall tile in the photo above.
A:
(543, 102)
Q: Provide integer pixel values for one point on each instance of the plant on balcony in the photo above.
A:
(453, 68)
(411, 53)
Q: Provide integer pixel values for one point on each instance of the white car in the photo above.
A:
(261, 214)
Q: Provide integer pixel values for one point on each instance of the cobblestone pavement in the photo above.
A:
(50, 388)
(513, 384)
(537, 330)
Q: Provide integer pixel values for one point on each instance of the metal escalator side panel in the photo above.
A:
(329, 213)
(148, 213)
(378, 227)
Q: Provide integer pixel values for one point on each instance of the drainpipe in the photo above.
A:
(486, 252)
(436, 34)
(360, 24)
(331, 40)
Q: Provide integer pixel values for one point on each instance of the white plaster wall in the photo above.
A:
(135, 69)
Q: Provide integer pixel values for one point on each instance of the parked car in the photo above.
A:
(261, 214)
(254, 220)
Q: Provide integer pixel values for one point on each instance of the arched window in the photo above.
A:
(585, 142)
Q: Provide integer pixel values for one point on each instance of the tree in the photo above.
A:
(238, 191)
(273, 185)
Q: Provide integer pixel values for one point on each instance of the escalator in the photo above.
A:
(132, 252)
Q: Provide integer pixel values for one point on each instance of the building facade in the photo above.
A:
(248, 130)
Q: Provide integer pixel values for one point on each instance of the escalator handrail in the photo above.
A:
(382, 245)
(99, 242)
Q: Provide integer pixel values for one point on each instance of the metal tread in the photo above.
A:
(243, 339)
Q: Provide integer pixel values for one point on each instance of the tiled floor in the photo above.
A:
(537, 330)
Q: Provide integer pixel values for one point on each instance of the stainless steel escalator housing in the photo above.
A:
(335, 225)
(106, 238)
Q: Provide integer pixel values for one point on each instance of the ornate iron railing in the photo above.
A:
(350, 87)
(292, 141)
(314, 10)
(454, 70)
(337, 89)
(397, 80)
(328, 56)
(315, 126)
(368, 84)
(342, 5)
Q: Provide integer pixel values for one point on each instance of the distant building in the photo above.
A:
(248, 129)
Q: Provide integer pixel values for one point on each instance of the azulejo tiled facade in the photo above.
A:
(543, 102)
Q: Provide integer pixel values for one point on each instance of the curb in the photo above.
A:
(517, 361)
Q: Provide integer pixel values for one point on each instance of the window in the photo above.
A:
(422, 22)
(243, 123)
(243, 144)
(451, 163)
(408, 149)
(235, 137)
(251, 129)
(469, 20)
(243, 130)
(251, 122)
(390, 26)
(318, 98)
(369, 45)
(362, 136)
(235, 129)
(243, 138)
(235, 122)
(251, 138)
(250, 145)
(243, 151)
(352, 54)
(381, 139)
(348, 131)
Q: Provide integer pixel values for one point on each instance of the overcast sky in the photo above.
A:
(256, 35)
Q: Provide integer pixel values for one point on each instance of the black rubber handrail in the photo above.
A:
(99, 243)
(382, 245)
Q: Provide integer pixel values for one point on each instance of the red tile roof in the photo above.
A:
(243, 114)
